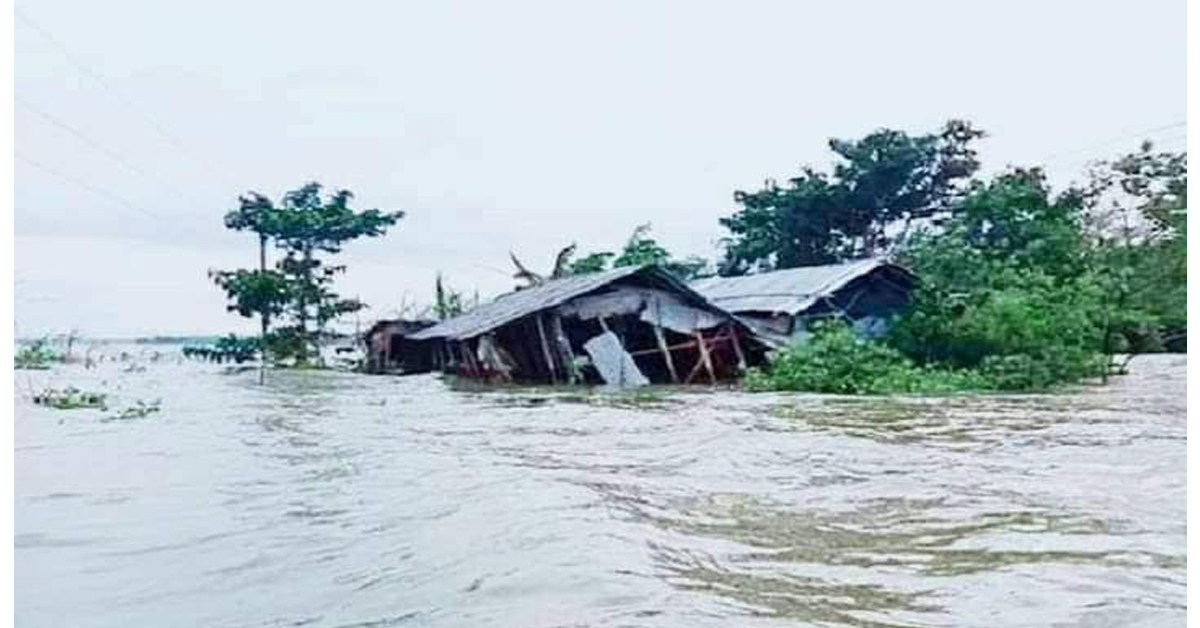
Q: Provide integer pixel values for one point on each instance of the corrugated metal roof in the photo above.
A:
(509, 307)
(788, 291)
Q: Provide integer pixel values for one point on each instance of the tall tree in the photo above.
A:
(1136, 222)
(310, 224)
(881, 185)
(306, 226)
(260, 292)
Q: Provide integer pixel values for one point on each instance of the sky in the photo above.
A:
(511, 126)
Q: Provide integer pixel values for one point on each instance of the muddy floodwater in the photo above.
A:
(332, 499)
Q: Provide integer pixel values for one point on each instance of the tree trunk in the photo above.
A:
(264, 316)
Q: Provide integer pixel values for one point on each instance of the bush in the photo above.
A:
(833, 359)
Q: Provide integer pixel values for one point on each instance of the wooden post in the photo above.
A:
(662, 346)
(546, 350)
(471, 362)
(564, 347)
(737, 346)
(705, 358)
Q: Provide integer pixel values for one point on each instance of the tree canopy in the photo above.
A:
(880, 186)
(305, 226)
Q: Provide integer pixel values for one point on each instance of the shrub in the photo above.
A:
(833, 359)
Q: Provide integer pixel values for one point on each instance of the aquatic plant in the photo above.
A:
(231, 348)
(139, 410)
(36, 355)
(69, 398)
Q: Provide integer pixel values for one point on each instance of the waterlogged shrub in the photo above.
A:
(836, 360)
(1028, 372)
(231, 348)
(833, 359)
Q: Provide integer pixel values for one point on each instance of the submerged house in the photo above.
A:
(777, 305)
(627, 326)
(390, 347)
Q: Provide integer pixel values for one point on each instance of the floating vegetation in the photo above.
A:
(70, 398)
(139, 410)
(36, 355)
(229, 348)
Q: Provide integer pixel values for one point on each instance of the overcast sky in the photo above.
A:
(511, 125)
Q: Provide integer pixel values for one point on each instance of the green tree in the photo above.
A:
(305, 226)
(639, 250)
(308, 225)
(1006, 286)
(1136, 222)
(258, 292)
(881, 186)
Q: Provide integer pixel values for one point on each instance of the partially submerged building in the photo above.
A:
(627, 326)
(778, 305)
(390, 347)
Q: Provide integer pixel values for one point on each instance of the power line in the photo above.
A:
(91, 188)
(83, 137)
(100, 148)
(103, 82)
(1054, 156)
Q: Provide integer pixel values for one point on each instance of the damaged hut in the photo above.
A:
(778, 305)
(391, 348)
(627, 326)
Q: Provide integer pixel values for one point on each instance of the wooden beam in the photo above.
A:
(737, 346)
(564, 347)
(546, 349)
(705, 357)
(662, 346)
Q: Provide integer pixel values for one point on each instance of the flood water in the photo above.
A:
(332, 499)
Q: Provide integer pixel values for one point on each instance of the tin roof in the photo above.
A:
(509, 307)
(788, 291)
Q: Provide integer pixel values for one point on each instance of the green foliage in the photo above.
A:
(1006, 288)
(639, 250)
(36, 355)
(882, 180)
(1136, 222)
(254, 292)
(448, 302)
(69, 398)
(591, 263)
(231, 348)
(833, 359)
(1034, 318)
(305, 225)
